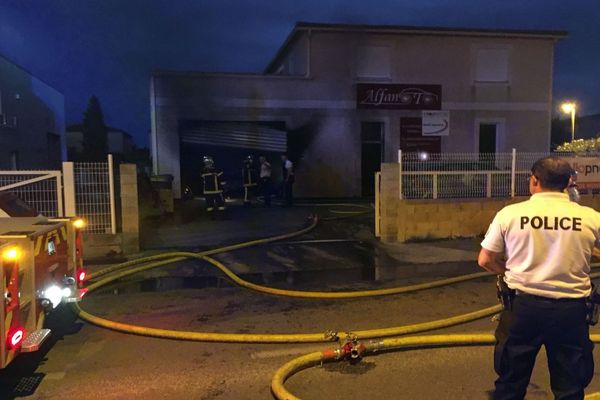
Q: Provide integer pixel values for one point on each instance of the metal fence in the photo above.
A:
(467, 175)
(94, 195)
(40, 189)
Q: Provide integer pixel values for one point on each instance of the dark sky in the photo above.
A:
(109, 47)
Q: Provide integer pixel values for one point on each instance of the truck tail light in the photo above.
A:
(15, 337)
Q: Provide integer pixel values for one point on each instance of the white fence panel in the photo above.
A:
(40, 189)
(94, 196)
(468, 175)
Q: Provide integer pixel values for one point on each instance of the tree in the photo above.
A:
(95, 141)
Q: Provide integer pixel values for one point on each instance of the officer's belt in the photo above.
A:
(520, 293)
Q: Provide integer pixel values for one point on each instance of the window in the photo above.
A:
(491, 65)
(373, 62)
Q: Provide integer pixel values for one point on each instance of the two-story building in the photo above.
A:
(341, 99)
(32, 121)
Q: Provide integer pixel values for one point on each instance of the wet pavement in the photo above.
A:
(86, 362)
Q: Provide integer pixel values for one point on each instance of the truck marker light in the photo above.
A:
(16, 337)
(81, 274)
(11, 254)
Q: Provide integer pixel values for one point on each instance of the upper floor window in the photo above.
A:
(491, 65)
(373, 62)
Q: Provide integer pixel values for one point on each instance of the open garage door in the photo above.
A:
(236, 135)
(229, 143)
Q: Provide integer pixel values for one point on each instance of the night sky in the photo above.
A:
(110, 47)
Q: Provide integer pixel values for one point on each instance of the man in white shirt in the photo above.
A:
(288, 180)
(265, 179)
(547, 242)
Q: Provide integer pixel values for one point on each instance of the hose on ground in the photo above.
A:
(398, 343)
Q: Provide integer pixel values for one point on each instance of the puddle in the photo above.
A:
(320, 265)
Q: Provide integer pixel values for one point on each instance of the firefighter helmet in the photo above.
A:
(208, 162)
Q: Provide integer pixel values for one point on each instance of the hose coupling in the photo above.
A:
(353, 349)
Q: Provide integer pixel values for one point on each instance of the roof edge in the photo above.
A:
(418, 30)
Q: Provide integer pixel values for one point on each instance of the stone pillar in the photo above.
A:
(389, 198)
(129, 209)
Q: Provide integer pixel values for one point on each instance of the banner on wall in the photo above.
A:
(588, 171)
(436, 123)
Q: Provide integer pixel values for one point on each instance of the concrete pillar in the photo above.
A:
(129, 209)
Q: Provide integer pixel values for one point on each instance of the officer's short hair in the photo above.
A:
(552, 172)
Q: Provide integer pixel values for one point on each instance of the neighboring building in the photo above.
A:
(345, 98)
(119, 141)
(32, 121)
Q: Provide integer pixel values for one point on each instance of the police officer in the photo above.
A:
(213, 186)
(546, 243)
(249, 179)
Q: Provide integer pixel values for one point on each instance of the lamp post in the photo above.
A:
(567, 108)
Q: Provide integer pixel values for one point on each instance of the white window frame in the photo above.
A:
(476, 51)
(363, 49)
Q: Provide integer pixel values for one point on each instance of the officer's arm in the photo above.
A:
(491, 261)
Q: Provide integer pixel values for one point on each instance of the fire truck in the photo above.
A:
(41, 268)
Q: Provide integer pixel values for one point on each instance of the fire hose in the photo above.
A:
(308, 360)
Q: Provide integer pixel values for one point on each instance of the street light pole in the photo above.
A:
(570, 107)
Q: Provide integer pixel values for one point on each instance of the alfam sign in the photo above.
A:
(398, 96)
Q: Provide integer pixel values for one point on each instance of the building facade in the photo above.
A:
(32, 121)
(118, 141)
(342, 99)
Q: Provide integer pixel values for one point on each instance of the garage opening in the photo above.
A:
(229, 143)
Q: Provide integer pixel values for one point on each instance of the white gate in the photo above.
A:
(40, 189)
(84, 190)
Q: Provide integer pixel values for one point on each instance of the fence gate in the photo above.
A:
(40, 189)
(81, 189)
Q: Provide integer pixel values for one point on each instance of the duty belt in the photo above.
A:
(520, 293)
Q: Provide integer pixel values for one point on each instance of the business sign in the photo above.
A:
(412, 139)
(588, 171)
(435, 123)
(398, 97)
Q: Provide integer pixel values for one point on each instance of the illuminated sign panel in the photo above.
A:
(398, 96)
(588, 171)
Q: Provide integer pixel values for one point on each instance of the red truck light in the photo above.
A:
(81, 275)
(15, 337)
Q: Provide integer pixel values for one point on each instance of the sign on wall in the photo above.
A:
(436, 123)
(588, 171)
(412, 139)
(398, 96)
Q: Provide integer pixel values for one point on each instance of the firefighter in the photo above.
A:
(213, 186)
(249, 179)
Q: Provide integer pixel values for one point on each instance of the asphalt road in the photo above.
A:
(82, 361)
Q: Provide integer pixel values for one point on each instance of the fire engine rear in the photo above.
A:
(41, 267)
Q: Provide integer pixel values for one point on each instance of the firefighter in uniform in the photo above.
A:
(250, 179)
(213, 186)
(543, 246)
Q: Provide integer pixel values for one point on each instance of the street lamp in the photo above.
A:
(567, 108)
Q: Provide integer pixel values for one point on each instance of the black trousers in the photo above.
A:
(265, 188)
(288, 195)
(560, 326)
(214, 200)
